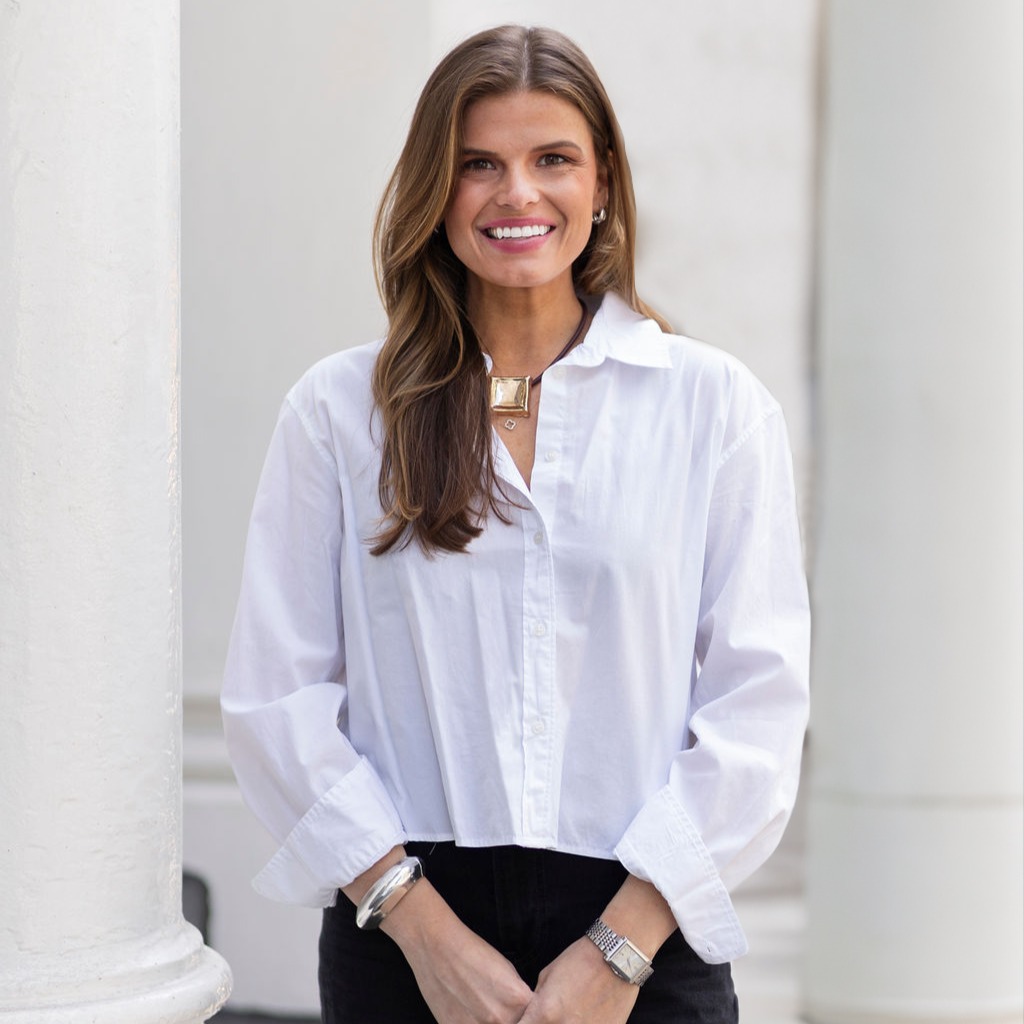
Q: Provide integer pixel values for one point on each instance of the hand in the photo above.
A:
(463, 979)
(578, 987)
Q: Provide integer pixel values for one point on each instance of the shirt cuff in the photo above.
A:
(327, 849)
(662, 846)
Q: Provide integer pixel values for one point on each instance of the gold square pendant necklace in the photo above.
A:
(510, 396)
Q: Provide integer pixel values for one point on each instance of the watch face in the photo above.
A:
(627, 960)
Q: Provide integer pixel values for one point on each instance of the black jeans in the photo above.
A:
(529, 905)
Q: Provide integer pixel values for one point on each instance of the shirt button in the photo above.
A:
(550, 456)
(538, 537)
(539, 629)
(538, 726)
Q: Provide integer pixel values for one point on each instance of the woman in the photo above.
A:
(522, 609)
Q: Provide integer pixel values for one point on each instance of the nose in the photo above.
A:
(518, 190)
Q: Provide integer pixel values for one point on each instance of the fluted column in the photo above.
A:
(914, 873)
(90, 754)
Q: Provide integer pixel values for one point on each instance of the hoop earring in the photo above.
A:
(601, 216)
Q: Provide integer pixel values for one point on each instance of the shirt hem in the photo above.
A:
(528, 842)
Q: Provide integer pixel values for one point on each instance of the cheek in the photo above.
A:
(458, 226)
(454, 216)
(462, 214)
(457, 204)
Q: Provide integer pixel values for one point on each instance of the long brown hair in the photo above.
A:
(437, 478)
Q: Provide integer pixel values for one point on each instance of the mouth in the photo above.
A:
(519, 231)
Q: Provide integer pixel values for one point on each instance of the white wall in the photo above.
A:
(915, 825)
(292, 117)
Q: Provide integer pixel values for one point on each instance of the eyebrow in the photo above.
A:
(558, 144)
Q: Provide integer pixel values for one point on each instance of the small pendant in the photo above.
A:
(510, 395)
(509, 424)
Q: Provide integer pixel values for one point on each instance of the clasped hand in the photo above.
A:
(465, 980)
(577, 987)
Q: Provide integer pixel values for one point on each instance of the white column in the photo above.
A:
(915, 848)
(90, 691)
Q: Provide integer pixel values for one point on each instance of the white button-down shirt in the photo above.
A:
(619, 672)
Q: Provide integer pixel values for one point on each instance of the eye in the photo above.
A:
(553, 160)
(477, 163)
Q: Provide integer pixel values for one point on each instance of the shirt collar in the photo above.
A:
(620, 333)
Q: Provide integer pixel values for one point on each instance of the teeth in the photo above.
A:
(527, 231)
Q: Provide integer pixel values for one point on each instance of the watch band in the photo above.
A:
(620, 954)
(603, 937)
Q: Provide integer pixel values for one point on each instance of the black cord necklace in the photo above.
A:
(511, 395)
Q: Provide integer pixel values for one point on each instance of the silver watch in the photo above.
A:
(620, 954)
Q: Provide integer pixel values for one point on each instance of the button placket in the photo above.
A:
(538, 669)
(540, 798)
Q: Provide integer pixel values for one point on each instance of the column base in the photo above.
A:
(173, 979)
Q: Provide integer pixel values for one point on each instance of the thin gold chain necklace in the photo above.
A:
(511, 395)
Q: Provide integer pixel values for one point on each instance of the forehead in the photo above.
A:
(523, 118)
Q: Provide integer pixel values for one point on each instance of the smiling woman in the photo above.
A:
(531, 697)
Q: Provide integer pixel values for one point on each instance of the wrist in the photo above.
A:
(640, 912)
(418, 918)
(359, 886)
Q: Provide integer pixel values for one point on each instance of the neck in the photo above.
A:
(524, 332)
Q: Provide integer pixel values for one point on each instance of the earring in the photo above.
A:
(601, 216)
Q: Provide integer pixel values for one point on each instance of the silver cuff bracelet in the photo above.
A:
(382, 897)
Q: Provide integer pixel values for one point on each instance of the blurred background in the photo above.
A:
(828, 189)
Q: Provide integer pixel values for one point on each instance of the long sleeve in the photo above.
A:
(285, 689)
(730, 792)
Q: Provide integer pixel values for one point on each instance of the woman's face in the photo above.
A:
(528, 185)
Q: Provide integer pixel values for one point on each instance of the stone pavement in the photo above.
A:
(233, 1017)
